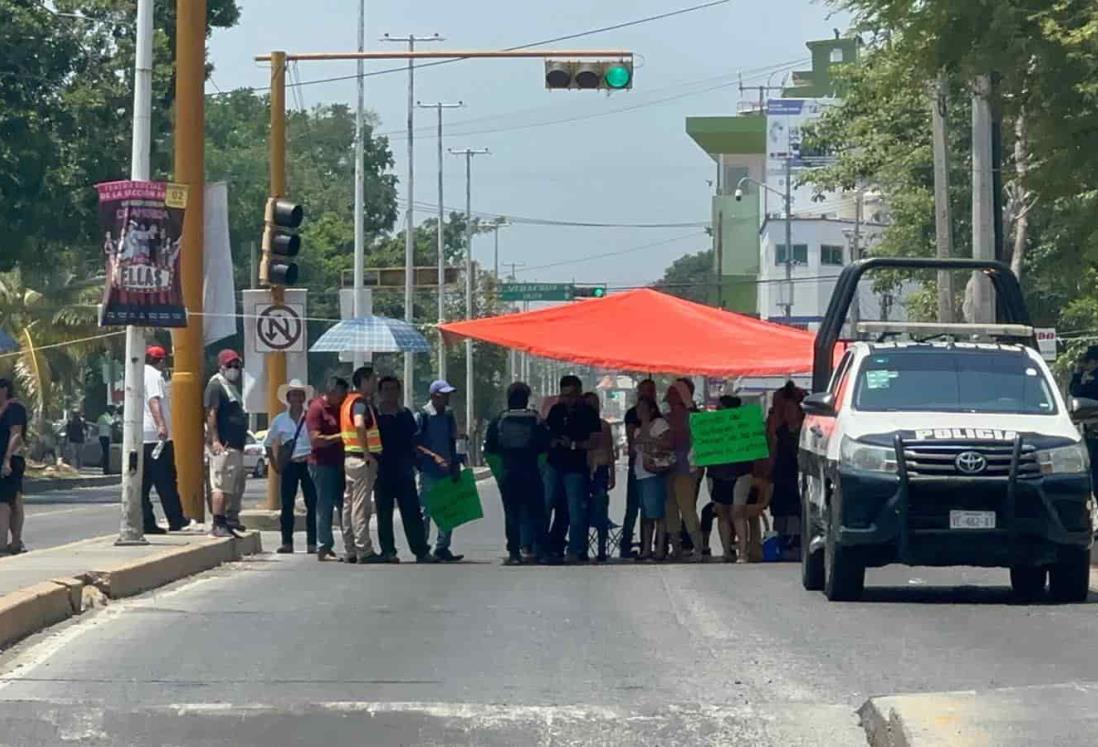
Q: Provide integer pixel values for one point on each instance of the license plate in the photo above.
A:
(971, 519)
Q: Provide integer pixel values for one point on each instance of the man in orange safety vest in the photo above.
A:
(361, 448)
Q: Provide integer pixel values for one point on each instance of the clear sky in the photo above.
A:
(600, 164)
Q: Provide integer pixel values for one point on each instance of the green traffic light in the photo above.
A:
(599, 292)
(618, 76)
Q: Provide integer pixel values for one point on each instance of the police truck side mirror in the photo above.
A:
(822, 403)
(1083, 409)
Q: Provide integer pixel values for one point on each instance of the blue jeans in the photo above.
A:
(330, 484)
(523, 510)
(426, 482)
(566, 498)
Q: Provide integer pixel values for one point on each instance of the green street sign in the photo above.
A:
(536, 291)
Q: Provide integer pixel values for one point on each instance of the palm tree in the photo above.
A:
(49, 318)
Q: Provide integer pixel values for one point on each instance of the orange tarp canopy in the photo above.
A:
(649, 332)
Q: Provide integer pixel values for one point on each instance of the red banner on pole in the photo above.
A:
(142, 224)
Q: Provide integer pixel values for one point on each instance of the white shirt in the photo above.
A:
(656, 429)
(155, 386)
(282, 431)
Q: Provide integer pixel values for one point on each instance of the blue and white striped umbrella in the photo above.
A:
(372, 334)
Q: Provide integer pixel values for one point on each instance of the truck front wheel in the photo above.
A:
(1069, 578)
(812, 563)
(844, 575)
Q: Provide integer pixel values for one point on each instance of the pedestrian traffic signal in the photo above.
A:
(590, 291)
(281, 242)
(606, 75)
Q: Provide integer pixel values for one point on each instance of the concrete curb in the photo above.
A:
(29, 610)
(34, 485)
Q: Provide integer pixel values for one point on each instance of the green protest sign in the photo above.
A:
(455, 502)
(727, 436)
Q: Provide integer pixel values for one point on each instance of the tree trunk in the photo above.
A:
(1024, 198)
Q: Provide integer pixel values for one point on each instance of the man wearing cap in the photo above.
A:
(361, 449)
(437, 458)
(226, 431)
(159, 454)
(288, 449)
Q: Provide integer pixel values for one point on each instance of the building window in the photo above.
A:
(831, 254)
(837, 54)
(800, 254)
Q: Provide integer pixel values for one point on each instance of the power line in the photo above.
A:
(619, 252)
(432, 209)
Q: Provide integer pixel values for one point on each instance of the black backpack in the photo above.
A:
(518, 430)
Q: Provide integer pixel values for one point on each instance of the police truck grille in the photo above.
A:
(939, 459)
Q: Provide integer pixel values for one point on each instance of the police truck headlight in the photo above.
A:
(866, 457)
(1066, 460)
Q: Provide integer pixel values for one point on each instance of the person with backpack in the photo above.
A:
(519, 437)
(437, 458)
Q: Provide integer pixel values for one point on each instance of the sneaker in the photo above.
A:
(550, 560)
(427, 558)
(236, 526)
(393, 558)
(17, 548)
(372, 559)
(221, 531)
(156, 530)
(348, 558)
(513, 560)
(447, 557)
(285, 550)
(527, 555)
(325, 554)
(310, 549)
(626, 554)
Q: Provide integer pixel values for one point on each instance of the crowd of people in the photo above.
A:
(355, 450)
(557, 473)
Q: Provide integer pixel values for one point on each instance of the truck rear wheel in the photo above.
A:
(844, 575)
(1027, 582)
(1069, 578)
(812, 563)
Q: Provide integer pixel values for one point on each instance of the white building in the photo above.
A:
(822, 246)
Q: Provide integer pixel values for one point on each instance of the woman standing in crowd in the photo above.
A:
(600, 460)
(682, 498)
(730, 490)
(783, 428)
(652, 460)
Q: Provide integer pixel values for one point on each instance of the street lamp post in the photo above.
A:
(787, 196)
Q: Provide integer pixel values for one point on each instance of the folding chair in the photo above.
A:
(613, 538)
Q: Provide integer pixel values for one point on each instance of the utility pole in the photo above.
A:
(789, 237)
(409, 239)
(131, 530)
(983, 199)
(359, 358)
(439, 106)
(276, 361)
(470, 401)
(943, 220)
(187, 421)
(495, 251)
(856, 254)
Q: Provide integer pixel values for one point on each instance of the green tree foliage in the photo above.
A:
(1045, 59)
(691, 276)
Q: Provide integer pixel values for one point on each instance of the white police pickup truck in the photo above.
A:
(942, 445)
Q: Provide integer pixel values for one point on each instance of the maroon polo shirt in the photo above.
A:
(324, 418)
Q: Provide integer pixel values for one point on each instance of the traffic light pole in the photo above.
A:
(131, 531)
(441, 237)
(276, 361)
(187, 411)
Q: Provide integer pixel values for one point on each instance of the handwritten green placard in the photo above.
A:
(728, 436)
(455, 502)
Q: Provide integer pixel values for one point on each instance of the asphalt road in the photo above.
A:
(285, 650)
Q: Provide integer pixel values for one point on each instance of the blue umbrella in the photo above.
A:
(371, 334)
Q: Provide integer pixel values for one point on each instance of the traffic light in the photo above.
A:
(606, 75)
(590, 291)
(281, 242)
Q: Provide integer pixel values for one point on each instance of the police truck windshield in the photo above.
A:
(952, 380)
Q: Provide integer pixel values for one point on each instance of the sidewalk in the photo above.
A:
(44, 587)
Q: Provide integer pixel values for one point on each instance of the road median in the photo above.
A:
(45, 587)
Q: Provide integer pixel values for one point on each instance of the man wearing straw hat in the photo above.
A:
(288, 449)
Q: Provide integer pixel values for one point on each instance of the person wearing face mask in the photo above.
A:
(159, 454)
(226, 430)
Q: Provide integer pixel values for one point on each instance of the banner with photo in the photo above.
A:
(142, 225)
